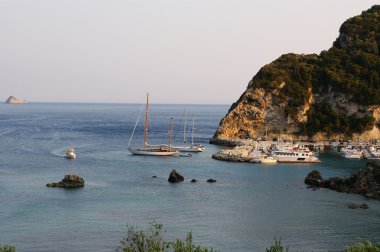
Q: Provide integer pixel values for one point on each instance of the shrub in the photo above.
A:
(153, 241)
(363, 246)
(7, 248)
(277, 247)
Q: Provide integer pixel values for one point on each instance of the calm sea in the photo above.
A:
(244, 210)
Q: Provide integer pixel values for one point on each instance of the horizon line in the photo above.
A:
(131, 103)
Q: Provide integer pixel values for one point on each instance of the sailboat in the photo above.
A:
(186, 147)
(149, 150)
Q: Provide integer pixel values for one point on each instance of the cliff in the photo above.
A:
(332, 95)
(13, 100)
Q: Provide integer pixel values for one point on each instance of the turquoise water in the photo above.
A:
(245, 210)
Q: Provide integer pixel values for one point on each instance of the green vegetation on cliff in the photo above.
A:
(351, 67)
(321, 117)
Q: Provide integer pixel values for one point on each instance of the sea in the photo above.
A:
(245, 210)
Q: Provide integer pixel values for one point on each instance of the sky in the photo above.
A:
(180, 51)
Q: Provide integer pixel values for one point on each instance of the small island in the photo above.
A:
(14, 100)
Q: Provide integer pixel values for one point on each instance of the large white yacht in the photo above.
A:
(295, 156)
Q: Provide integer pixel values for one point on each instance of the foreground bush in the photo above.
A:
(153, 241)
(277, 247)
(364, 246)
(7, 248)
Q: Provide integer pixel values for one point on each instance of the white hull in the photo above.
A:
(153, 152)
(194, 148)
(295, 157)
(298, 161)
(353, 156)
(268, 160)
(70, 154)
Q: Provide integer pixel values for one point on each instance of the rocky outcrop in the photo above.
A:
(69, 181)
(365, 182)
(175, 177)
(14, 100)
(283, 99)
(237, 154)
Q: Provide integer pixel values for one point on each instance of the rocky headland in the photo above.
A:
(365, 182)
(333, 95)
(14, 100)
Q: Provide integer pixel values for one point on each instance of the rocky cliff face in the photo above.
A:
(332, 95)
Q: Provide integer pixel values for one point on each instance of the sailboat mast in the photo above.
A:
(192, 133)
(146, 121)
(184, 128)
(170, 132)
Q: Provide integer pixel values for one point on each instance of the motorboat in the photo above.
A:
(264, 160)
(70, 153)
(268, 160)
(295, 156)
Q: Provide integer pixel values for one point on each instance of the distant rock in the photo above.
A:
(175, 177)
(356, 206)
(211, 180)
(14, 100)
(365, 182)
(69, 181)
(193, 180)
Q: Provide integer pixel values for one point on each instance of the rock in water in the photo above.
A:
(365, 182)
(69, 181)
(356, 206)
(14, 100)
(211, 180)
(175, 177)
(314, 178)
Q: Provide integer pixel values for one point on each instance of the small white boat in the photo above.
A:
(190, 148)
(353, 155)
(268, 160)
(70, 153)
(264, 160)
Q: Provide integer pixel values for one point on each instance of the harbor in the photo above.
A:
(297, 151)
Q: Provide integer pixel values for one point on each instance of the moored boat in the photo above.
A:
(185, 147)
(149, 150)
(264, 160)
(294, 156)
(268, 160)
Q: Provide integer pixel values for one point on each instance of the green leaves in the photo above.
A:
(7, 248)
(153, 240)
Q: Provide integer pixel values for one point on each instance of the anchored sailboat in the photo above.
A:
(149, 150)
(186, 147)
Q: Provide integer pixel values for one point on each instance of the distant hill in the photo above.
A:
(332, 95)
(13, 100)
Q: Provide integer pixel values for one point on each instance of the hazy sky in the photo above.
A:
(180, 51)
